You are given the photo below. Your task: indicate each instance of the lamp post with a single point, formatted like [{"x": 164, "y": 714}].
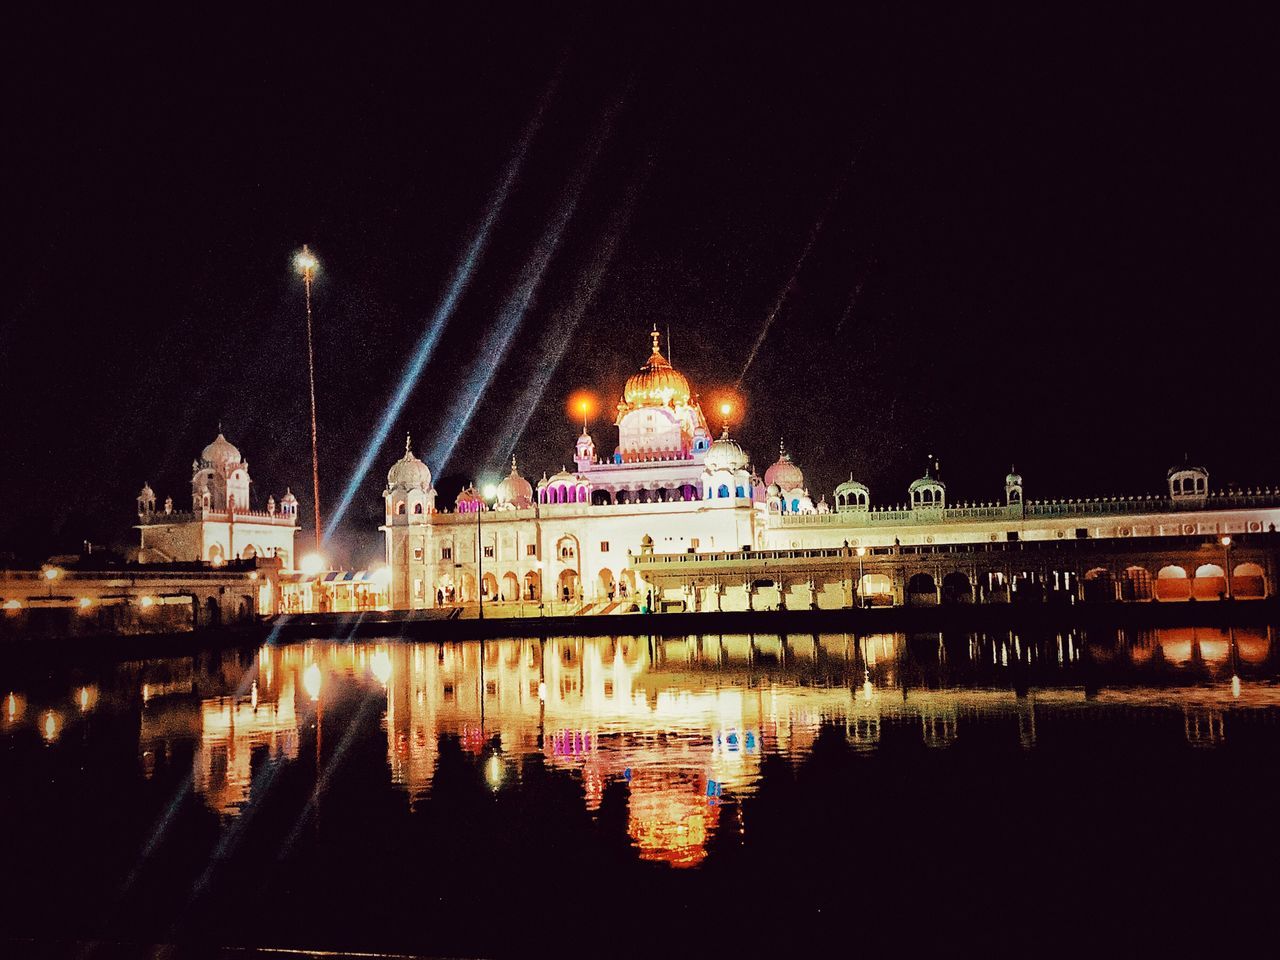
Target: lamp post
[
  {"x": 306, "y": 264},
  {"x": 488, "y": 494},
  {"x": 1226, "y": 545},
  {"x": 862, "y": 552}
]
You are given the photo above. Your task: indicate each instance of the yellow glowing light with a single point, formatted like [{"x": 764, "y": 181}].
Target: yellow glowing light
[
  {"x": 13, "y": 605},
  {"x": 726, "y": 409},
  {"x": 490, "y": 491},
  {"x": 12, "y": 706},
  {"x": 147, "y": 602},
  {"x": 862, "y": 551},
  {"x": 217, "y": 562},
  {"x": 1235, "y": 686},
  {"x": 582, "y": 405},
  {"x": 52, "y": 573},
  {"x": 253, "y": 574},
  {"x": 305, "y": 262},
  {"x": 85, "y": 602},
  {"x": 312, "y": 680},
  {"x": 542, "y": 690},
  {"x": 493, "y": 771},
  {"x": 84, "y": 699},
  {"x": 313, "y": 563},
  {"x": 1226, "y": 541},
  {"x": 380, "y": 664},
  {"x": 50, "y": 730},
  {"x": 867, "y": 688},
  {"x": 382, "y": 576}
]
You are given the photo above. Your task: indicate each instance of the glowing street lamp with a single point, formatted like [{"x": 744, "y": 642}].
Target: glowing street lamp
[
  {"x": 487, "y": 494},
  {"x": 1226, "y": 546},
  {"x": 312, "y": 564},
  {"x": 306, "y": 264}
]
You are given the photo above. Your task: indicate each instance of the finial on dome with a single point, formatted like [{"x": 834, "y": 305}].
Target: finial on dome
[
  {"x": 655, "y": 334},
  {"x": 513, "y": 463},
  {"x": 782, "y": 449},
  {"x": 408, "y": 443}
]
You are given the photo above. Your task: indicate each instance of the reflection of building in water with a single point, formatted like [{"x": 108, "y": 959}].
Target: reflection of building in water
[{"x": 231, "y": 730}]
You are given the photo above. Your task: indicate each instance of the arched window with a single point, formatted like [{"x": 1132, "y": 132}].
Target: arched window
[
  {"x": 737, "y": 492},
  {"x": 795, "y": 506},
  {"x": 400, "y": 509},
  {"x": 723, "y": 492},
  {"x": 417, "y": 508}
]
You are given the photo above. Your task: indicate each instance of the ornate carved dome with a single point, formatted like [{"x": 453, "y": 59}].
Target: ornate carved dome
[
  {"x": 784, "y": 473},
  {"x": 658, "y": 384},
  {"x": 851, "y": 487},
  {"x": 725, "y": 454},
  {"x": 469, "y": 500},
  {"x": 221, "y": 451},
  {"x": 515, "y": 490},
  {"x": 409, "y": 472}
]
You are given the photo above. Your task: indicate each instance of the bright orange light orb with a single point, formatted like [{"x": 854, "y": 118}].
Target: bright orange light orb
[{"x": 582, "y": 405}]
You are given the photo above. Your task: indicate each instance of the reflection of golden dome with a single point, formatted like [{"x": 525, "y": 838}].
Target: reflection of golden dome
[{"x": 658, "y": 384}]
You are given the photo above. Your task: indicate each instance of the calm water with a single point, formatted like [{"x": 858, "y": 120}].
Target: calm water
[{"x": 651, "y": 796}]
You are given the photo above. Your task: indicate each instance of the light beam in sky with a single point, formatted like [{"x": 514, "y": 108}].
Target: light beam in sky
[
  {"x": 426, "y": 345},
  {"x": 498, "y": 342}
]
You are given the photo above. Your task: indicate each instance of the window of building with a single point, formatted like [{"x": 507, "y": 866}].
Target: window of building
[
  {"x": 530, "y": 550},
  {"x": 1012, "y": 535},
  {"x": 446, "y": 553},
  {"x": 693, "y": 543},
  {"x": 417, "y": 586},
  {"x": 566, "y": 552},
  {"x": 400, "y": 509},
  {"x": 417, "y": 553},
  {"x": 604, "y": 546},
  {"x": 417, "y": 508},
  {"x": 488, "y": 553}
]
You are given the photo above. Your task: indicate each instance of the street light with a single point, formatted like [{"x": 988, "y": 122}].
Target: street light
[
  {"x": 489, "y": 492},
  {"x": 1226, "y": 545},
  {"x": 306, "y": 264}
]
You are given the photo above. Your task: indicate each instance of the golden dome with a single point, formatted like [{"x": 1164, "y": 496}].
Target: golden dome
[{"x": 658, "y": 384}]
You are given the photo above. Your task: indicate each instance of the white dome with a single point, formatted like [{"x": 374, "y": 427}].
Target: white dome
[
  {"x": 724, "y": 454},
  {"x": 850, "y": 487},
  {"x": 784, "y": 473},
  {"x": 409, "y": 472},
  {"x": 221, "y": 451},
  {"x": 515, "y": 489}
]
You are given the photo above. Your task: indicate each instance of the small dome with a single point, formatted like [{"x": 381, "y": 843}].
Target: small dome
[
  {"x": 469, "y": 500},
  {"x": 221, "y": 451},
  {"x": 725, "y": 454},
  {"x": 289, "y": 499},
  {"x": 1014, "y": 479},
  {"x": 823, "y": 507},
  {"x": 774, "y": 490},
  {"x": 409, "y": 472},
  {"x": 851, "y": 487},
  {"x": 515, "y": 490},
  {"x": 784, "y": 473},
  {"x": 658, "y": 384},
  {"x": 147, "y": 493},
  {"x": 926, "y": 482}
]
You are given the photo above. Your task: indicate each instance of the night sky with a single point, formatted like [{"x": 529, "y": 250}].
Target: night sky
[{"x": 1048, "y": 242}]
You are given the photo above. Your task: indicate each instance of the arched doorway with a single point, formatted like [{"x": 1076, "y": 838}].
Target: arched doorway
[
  {"x": 212, "y": 613},
  {"x": 956, "y": 588},
  {"x": 605, "y": 586},
  {"x": 1098, "y": 586},
  {"x": 567, "y": 586},
  {"x": 626, "y": 584},
  {"x": 922, "y": 590},
  {"x": 532, "y": 586},
  {"x": 249, "y": 552},
  {"x": 1248, "y": 581},
  {"x": 1210, "y": 582},
  {"x": 467, "y": 588},
  {"x": 510, "y": 586},
  {"x": 490, "y": 587},
  {"x": 1136, "y": 584},
  {"x": 1172, "y": 583}
]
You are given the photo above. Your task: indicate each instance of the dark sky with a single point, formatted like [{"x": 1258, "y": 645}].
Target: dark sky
[{"x": 1043, "y": 240}]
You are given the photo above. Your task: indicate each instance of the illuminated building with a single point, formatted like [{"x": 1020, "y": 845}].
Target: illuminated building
[
  {"x": 221, "y": 524},
  {"x": 675, "y": 519}
]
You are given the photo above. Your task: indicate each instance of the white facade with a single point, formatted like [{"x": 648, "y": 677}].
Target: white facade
[
  {"x": 590, "y": 540},
  {"x": 221, "y": 524}
]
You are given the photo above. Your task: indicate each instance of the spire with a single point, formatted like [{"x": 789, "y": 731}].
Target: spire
[
  {"x": 782, "y": 449},
  {"x": 656, "y": 335},
  {"x": 513, "y": 464},
  {"x": 408, "y": 445}
]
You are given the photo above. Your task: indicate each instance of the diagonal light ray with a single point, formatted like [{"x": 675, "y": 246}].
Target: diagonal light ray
[
  {"x": 426, "y": 345},
  {"x": 498, "y": 342}
]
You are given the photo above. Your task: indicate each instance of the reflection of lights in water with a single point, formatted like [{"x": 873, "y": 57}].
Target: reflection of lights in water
[
  {"x": 311, "y": 681},
  {"x": 253, "y": 695},
  {"x": 493, "y": 771},
  {"x": 85, "y": 603},
  {"x": 1235, "y": 686},
  {"x": 85, "y": 699},
  {"x": 50, "y": 730},
  {"x": 380, "y": 664},
  {"x": 542, "y": 690},
  {"x": 146, "y": 692},
  {"x": 867, "y": 689}
]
